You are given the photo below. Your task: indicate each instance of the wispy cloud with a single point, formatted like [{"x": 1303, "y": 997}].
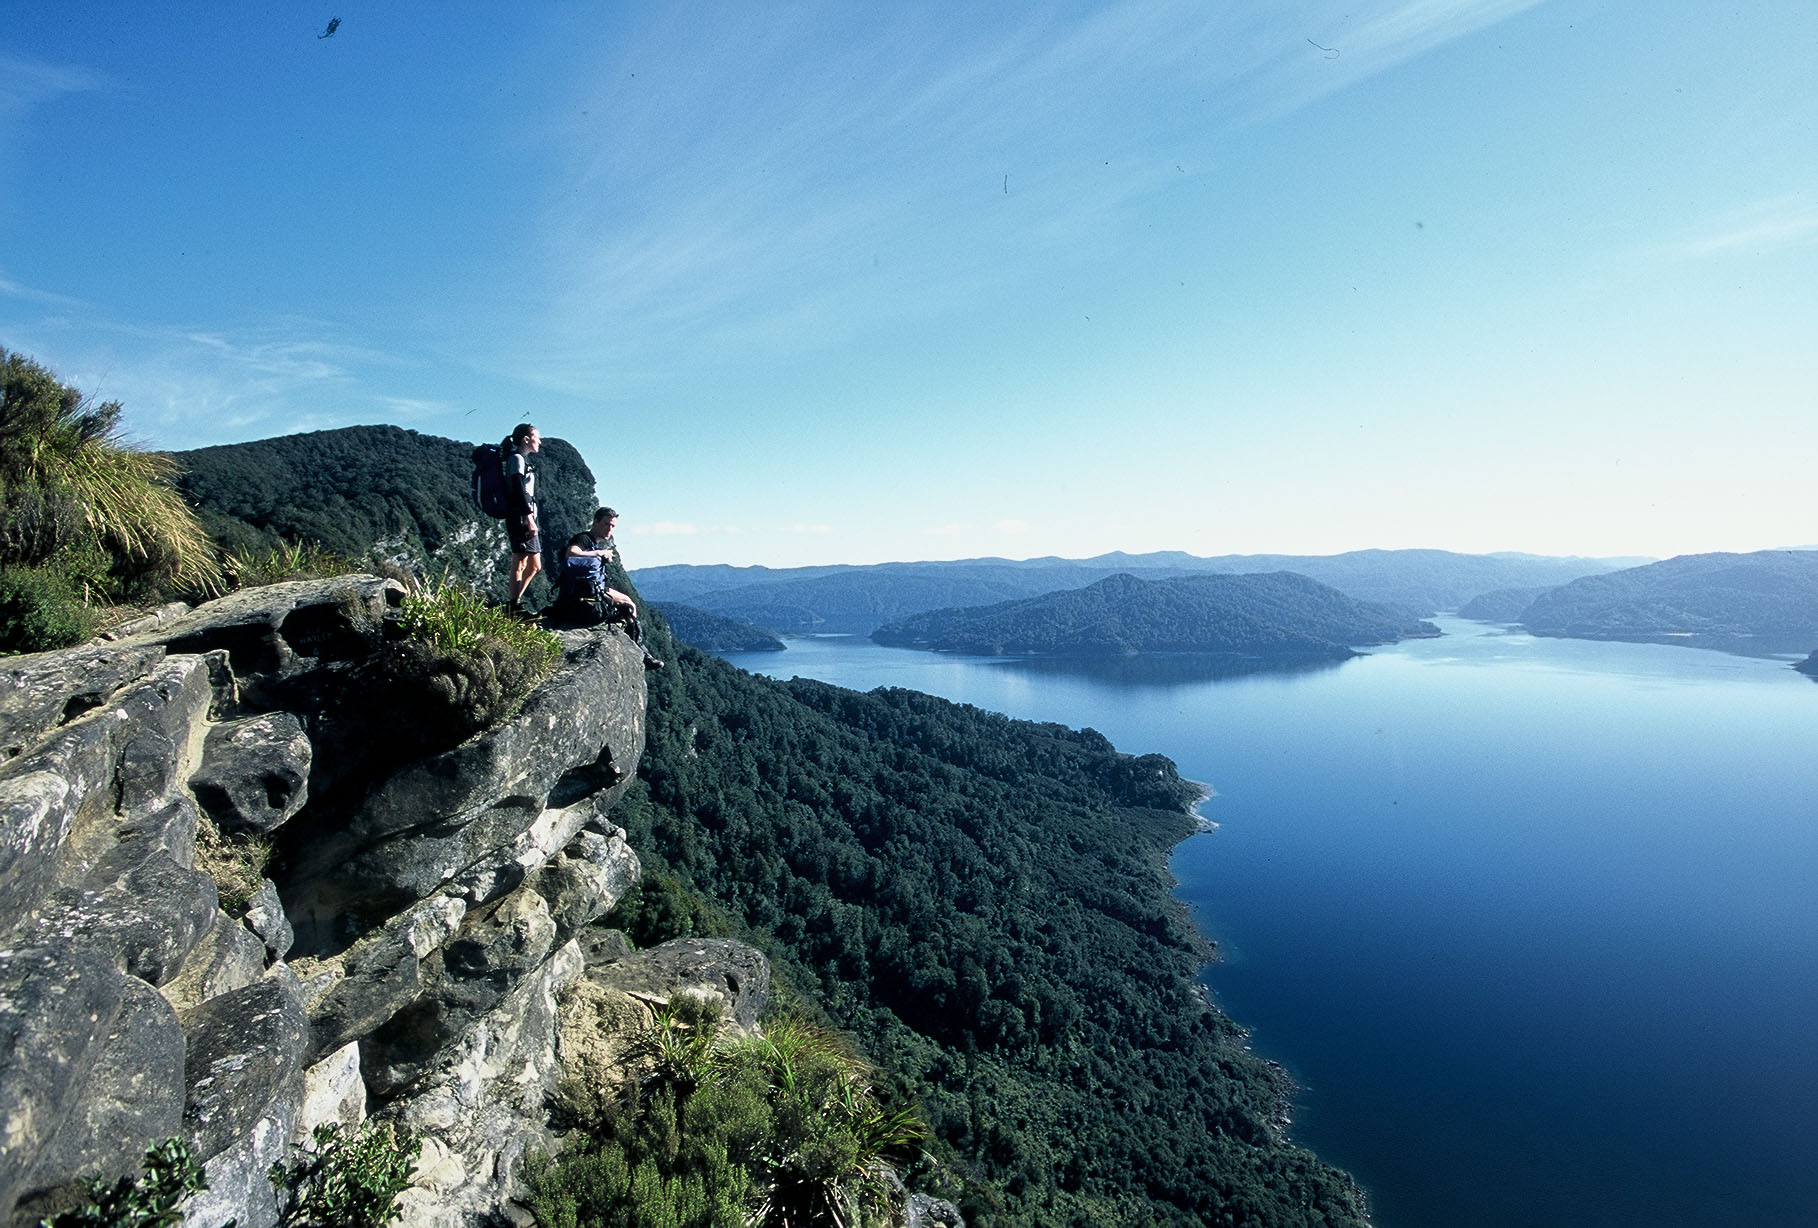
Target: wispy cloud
[
  {"x": 1769, "y": 225},
  {"x": 185, "y": 387},
  {"x": 955, "y": 529},
  {"x": 1012, "y": 527},
  {"x": 44, "y": 298},
  {"x": 913, "y": 162}
]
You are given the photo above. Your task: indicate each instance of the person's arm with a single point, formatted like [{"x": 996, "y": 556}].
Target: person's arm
[{"x": 617, "y": 598}]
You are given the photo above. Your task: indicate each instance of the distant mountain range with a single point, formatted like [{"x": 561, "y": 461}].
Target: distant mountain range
[
  {"x": 1769, "y": 598},
  {"x": 1271, "y": 615},
  {"x": 859, "y": 599}
]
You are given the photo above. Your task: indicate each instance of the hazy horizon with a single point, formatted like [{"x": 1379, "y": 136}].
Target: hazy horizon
[{"x": 817, "y": 282}]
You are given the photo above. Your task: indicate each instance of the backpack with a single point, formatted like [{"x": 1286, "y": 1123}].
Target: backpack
[{"x": 489, "y": 481}]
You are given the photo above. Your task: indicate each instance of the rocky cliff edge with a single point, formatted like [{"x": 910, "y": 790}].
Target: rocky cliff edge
[{"x": 236, "y": 902}]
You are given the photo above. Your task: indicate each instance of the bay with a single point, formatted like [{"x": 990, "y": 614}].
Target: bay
[{"x": 1533, "y": 922}]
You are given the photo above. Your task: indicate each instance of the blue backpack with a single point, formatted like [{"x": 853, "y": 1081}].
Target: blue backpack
[{"x": 489, "y": 481}]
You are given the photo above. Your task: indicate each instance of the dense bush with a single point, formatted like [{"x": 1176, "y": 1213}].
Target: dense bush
[
  {"x": 40, "y": 609},
  {"x": 170, "y": 1175},
  {"x": 348, "y": 1179},
  {"x": 772, "y": 1131}
]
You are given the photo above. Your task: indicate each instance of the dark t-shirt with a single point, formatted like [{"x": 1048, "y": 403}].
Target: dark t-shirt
[{"x": 585, "y": 573}]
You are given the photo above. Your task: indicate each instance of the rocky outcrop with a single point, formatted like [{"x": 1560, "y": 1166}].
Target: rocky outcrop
[{"x": 406, "y": 952}]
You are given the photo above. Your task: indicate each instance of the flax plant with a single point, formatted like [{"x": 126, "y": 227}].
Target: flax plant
[{"x": 60, "y": 450}]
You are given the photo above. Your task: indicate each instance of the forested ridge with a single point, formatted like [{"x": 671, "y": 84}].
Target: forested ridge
[
  {"x": 1273, "y": 614},
  {"x": 983, "y": 904},
  {"x": 372, "y": 493},
  {"x": 1770, "y": 593}
]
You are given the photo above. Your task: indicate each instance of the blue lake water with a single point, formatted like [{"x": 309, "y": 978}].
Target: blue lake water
[{"x": 1533, "y": 922}]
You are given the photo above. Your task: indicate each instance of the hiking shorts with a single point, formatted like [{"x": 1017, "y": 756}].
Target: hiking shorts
[{"x": 524, "y": 539}]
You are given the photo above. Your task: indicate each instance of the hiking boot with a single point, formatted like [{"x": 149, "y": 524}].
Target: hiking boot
[{"x": 652, "y": 662}]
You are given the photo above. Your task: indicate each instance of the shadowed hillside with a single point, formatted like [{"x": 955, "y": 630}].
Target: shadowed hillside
[{"x": 1279, "y": 614}]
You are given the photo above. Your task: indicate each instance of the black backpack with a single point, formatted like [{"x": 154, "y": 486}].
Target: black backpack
[{"x": 489, "y": 481}]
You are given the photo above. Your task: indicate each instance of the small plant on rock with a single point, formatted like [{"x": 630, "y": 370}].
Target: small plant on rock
[
  {"x": 347, "y": 1180},
  {"x": 469, "y": 661},
  {"x": 147, "y": 1201}
]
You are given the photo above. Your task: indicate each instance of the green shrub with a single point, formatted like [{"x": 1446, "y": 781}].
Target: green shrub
[
  {"x": 41, "y": 610},
  {"x": 660, "y": 906},
  {"x": 463, "y": 664},
  {"x": 347, "y": 1181},
  {"x": 777, "y": 1131},
  {"x": 147, "y": 1201}
]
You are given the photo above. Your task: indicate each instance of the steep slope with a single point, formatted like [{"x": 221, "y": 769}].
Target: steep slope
[
  {"x": 984, "y": 904},
  {"x": 1770, "y": 598},
  {"x": 1279, "y": 614}
]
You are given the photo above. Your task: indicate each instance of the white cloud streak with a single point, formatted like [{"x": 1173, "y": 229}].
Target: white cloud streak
[
  {"x": 911, "y": 163},
  {"x": 1766, "y": 226}
]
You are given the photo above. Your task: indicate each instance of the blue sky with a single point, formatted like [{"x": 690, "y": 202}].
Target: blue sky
[{"x": 848, "y": 283}]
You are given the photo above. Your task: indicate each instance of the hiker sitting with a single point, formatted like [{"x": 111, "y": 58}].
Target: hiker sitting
[{"x": 586, "y": 600}]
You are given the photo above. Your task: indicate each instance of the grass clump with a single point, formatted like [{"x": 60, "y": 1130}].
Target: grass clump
[
  {"x": 469, "y": 663},
  {"x": 236, "y": 862},
  {"x": 286, "y": 561},
  {"x": 781, "y": 1130},
  {"x": 81, "y": 499}
]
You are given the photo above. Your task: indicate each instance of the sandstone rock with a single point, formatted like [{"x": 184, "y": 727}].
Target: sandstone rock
[
  {"x": 131, "y": 1098},
  {"x": 587, "y": 879},
  {"x": 432, "y": 904},
  {"x": 378, "y": 976},
  {"x": 43, "y": 691},
  {"x": 90, "y": 1069},
  {"x": 265, "y": 917},
  {"x": 926, "y": 1211},
  {"x": 729, "y": 974},
  {"x": 244, "y": 1063},
  {"x": 269, "y": 630},
  {"x": 486, "y": 1102},
  {"x": 227, "y": 958},
  {"x": 59, "y": 801},
  {"x": 239, "y": 1183},
  {"x": 333, "y": 1091},
  {"x": 497, "y": 948},
  {"x": 255, "y": 772},
  {"x": 148, "y": 919}
]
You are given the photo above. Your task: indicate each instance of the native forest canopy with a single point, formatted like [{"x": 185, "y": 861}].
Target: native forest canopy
[
  {"x": 981, "y": 903},
  {"x": 1271, "y": 615}
]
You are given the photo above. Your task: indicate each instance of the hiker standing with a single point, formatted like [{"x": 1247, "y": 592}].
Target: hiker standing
[{"x": 521, "y": 510}]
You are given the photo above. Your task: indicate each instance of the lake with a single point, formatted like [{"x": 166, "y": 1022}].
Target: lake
[{"x": 1533, "y": 922}]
